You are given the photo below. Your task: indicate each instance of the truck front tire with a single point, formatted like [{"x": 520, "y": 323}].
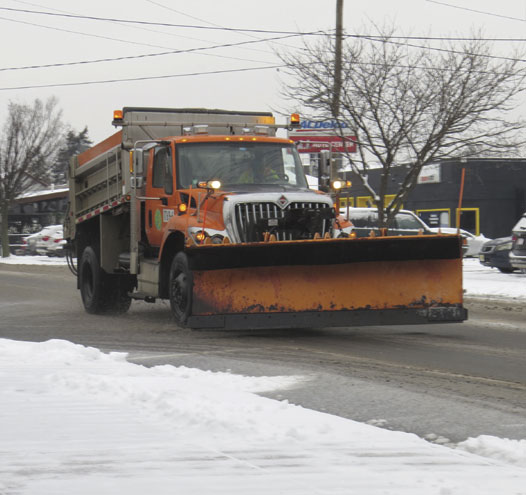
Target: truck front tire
[
  {"x": 181, "y": 282},
  {"x": 101, "y": 293}
]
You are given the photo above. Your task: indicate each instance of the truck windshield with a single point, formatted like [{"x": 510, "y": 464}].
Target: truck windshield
[{"x": 237, "y": 164}]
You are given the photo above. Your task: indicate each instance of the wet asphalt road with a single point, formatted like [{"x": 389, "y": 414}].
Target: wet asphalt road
[{"x": 442, "y": 382}]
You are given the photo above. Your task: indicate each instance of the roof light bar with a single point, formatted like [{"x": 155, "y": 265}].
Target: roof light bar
[{"x": 261, "y": 130}]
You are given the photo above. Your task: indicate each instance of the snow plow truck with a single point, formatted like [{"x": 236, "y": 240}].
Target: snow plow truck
[{"x": 211, "y": 210}]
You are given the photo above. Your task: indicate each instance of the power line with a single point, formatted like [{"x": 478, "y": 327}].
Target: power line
[
  {"x": 144, "y": 78},
  {"x": 444, "y": 50},
  {"x": 225, "y": 45},
  {"x": 436, "y": 38},
  {"x": 374, "y": 38},
  {"x": 148, "y": 55},
  {"x": 269, "y": 31},
  {"x": 158, "y": 4},
  {"x": 230, "y": 45},
  {"x": 492, "y": 14},
  {"x": 156, "y": 31},
  {"x": 225, "y": 71},
  {"x": 165, "y": 24},
  {"x": 81, "y": 33}
]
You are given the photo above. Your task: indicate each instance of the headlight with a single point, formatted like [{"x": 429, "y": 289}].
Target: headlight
[
  {"x": 217, "y": 239},
  {"x": 211, "y": 185},
  {"x": 208, "y": 236},
  {"x": 503, "y": 247}
]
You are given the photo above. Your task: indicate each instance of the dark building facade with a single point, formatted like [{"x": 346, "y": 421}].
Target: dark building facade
[
  {"x": 31, "y": 213},
  {"x": 494, "y": 194}
]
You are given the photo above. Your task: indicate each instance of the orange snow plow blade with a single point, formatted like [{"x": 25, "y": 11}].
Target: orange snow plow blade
[{"x": 344, "y": 282}]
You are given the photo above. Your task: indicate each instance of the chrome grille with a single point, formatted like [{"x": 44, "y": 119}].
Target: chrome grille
[{"x": 253, "y": 219}]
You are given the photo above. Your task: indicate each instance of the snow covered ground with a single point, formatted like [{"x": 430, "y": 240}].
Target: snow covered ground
[
  {"x": 75, "y": 420},
  {"x": 33, "y": 260},
  {"x": 481, "y": 281}
]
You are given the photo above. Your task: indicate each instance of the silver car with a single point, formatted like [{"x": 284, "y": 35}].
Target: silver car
[
  {"x": 518, "y": 249},
  {"x": 365, "y": 220}
]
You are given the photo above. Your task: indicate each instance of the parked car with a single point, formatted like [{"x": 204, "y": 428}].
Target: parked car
[
  {"x": 29, "y": 244},
  {"x": 366, "y": 219},
  {"x": 46, "y": 238},
  {"x": 472, "y": 243},
  {"x": 58, "y": 248},
  {"x": 16, "y": 244},
  {"x": 518, "y": 248},
  {"x": 495, "y": 254}
]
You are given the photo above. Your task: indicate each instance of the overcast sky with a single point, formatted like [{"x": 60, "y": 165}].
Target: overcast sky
[{"x": 30, "y": 39}]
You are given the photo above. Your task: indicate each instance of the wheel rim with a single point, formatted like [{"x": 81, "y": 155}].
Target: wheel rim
[
  {"x": 87, "y": 281},
  {"x": 180, "y": 292}
]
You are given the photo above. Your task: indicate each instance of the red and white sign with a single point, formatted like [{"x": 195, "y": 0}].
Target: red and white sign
[
  {"x": 309, "y": 143},
  {"x": 430, "y": 174}
]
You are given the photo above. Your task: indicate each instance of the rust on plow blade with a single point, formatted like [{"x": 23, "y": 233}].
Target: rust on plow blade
[{"x": 385, "y": 280}]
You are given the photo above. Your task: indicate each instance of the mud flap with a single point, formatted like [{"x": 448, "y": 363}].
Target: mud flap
[{"x": 328, "y": 282}]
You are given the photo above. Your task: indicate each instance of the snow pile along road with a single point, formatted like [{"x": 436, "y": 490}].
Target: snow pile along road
[
  {"x": 482, "y": 281},
  {"x": 76, "y": 420},
  {"x": 33, "y": 260},
  {"x": 506, "y": 450}
]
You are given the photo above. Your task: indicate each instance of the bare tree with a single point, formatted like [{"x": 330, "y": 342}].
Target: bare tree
[
  {"x": 29, "y": 143},
  {"x": 411, "y": 103}
]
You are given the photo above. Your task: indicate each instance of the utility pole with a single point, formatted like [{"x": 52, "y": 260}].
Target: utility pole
[{"x": 338, "y": 59}]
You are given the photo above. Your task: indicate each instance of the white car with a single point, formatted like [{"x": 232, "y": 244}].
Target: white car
[
  {"x": 473, "y": 242},
  {"x": 58, "y": 248},
  {"x": 47, "y": 237},
  {"x": 29, "y": 244}
]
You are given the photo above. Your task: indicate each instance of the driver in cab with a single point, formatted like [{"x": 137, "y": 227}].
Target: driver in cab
[{"x": 266, "y": 174}]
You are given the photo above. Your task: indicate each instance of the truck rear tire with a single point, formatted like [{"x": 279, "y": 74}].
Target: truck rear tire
[
  {"x": 101, "y": 293},
  {"x": 181, "y": 282},
  {"x": 117, "y": 301}
]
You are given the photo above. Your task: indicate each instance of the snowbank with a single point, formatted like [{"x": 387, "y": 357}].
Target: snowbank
[
  {"x": 503, "y": 449},
  {"x": 76, "y": 420},
  {"x": 33, "y": 260},
  {"x": 482, "y": 281}
]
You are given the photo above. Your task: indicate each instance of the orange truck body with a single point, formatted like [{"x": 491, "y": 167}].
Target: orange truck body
[{"x": 210, "y": 210}]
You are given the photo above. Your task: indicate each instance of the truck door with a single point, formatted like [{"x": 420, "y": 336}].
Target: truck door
[{"x": 159, "y": 206}]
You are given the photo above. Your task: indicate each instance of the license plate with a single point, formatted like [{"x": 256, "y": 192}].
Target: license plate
[
  {"x": 520, "y": 241},
  {"x": 272, "y": 222},
  {"x": 481, "y": 257}
]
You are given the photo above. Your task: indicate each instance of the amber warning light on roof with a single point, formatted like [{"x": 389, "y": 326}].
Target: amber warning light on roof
[
  {"x": 117, "y": 115},
  {"x": 295, "y": 120}
]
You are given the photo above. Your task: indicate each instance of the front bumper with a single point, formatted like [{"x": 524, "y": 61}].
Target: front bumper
[{"x": 517, "y": 261}]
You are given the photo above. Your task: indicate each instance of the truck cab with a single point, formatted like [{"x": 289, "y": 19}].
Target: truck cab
[{"x": 223, "y": 189}]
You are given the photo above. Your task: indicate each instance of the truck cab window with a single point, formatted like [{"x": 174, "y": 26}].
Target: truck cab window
[
  {"x": 162, "y": 176},
  {"x": 239, "y": 164}
]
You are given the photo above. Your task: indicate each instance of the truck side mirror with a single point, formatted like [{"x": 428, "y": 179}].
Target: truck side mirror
[
  {"x": 138, "y": 161},
  {"x": 137, "y": 182},
  {"x": 324, "y": 171}
]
